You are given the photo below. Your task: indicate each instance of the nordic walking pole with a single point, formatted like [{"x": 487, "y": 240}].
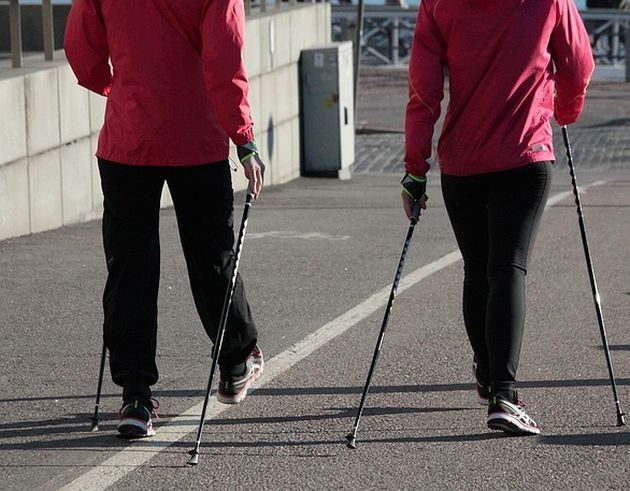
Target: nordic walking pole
[
  {"x": 94, "y": 418},
  {"x": 591, "y": 273},
  {"x": 351, "y": 437},
  {"x": 227, "y": 301}
]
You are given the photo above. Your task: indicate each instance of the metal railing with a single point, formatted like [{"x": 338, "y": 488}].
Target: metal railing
[
  {"x": 262, "y": 6},
  {"x": 48, "y": 32},
  {"x": 15, "y": 31},
  {"x": 388, "y": 33},
  {"x": 610, "y": 32}
]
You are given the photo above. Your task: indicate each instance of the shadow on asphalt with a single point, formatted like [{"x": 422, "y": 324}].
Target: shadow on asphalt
[
  {"x": 114, "y": 444},
  {"x": 618, "y": 347},
  {"x": 296, "y": 391},
  {"x": 588, "y": 439},
  {"x": 612, "y": 122},
  {"x": 107, "y": 439},
  {"x": 340, "y": 413},
  {"x": 78, "y": 424},
  {"x": 474, "y": 437}
]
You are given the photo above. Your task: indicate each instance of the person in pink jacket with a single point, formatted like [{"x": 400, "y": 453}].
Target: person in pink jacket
[
  {"x": 176, "y": 91},
  {"x": 511, "y": 66}
]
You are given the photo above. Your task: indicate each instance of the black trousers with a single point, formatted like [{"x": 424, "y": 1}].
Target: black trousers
[
  {"x": 203, "y": 201},
  {"x": 495, "y": 217}
]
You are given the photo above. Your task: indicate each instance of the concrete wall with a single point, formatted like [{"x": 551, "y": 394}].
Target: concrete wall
[{"x": 49, "y": 125}]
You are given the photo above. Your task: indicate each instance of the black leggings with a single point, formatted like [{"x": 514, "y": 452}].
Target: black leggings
[
  {"x": 203, "y": 201},
  {"x": 495, "y": 217}
]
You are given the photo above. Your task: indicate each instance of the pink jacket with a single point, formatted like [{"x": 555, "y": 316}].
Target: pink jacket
[
  {"x": 177, "y": 87},
  {"x": 504, "y": 59}
]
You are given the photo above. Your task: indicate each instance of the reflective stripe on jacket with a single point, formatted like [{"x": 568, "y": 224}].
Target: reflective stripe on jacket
[
  {"x": 177, "y": 86},
  {"x": 504, "y": 59}
]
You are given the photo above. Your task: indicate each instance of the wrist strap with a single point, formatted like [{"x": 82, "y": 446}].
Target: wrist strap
[
  {"x": 246, "y": 151},
  {"x": 413, "y": 186},
  {"x": 421, "y": 179}
]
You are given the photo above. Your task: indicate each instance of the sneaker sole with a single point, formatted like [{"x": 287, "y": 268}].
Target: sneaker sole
[
  {"x": 134, "y": 428},
  {"x": 240, "y": 395},
  {"x": 509, "y": 424}
]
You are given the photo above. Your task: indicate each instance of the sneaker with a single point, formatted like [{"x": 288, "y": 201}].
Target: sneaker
[
  {"x": 483, "y": 390},
  {"x": 233, "y": 388},
  {"x": 510, "y": 417},
  {"x": 135, "y": 418}
]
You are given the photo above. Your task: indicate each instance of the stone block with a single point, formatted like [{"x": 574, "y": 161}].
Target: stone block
[
  {"x": 255, "y": 99},
  {"x": 270, "y": 94},
  {"x": 324, "y": 24},
  {"x": 296, "y": 148},
  {"x": 13, "y": 134},
  {"x": 14, "y": 215},
  {"x": 283, "y": 161},
  {"x": 284, "y": 36},
  {"x": 252, "y": 48},
  {"x": 76, "y": 181},
  {"x": 97, "y": 111},
  {"x": 266, "y": 42},
  {"x": 301, "y": 21},
  {"x": 286, "y": 93},
  {"x": 44, "y": 176},
  {"x": 42, "y": 110},
  {"x": 74, "y": 107}
]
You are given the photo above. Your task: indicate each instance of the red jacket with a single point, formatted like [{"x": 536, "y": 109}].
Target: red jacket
[
  {"x": 177, "y": 87},
  {"x": 505, "y": 59}
]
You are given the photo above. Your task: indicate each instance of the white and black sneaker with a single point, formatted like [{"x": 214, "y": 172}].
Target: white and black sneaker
[
  {"x": 135, "y": 418},
  {"x": 233, "y": 387},
  {"x": 510, "y": 417}
]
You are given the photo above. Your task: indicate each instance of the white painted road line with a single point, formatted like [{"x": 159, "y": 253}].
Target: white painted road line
[
  {"x": 560, "y": 196},
  {"x": 125, "y": 461},
  {"x": 290, "y": 234},
  {"x": 136, "y": 454}
]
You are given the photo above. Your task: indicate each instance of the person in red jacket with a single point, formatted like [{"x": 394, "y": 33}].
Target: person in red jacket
[
  {"x": 176, "y": 91},
  {"x": 511, "y": 66}
]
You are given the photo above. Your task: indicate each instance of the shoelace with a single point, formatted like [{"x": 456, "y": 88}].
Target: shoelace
[
  {"x": 524, "y": 416},
  {"x": 518, "y": 403}
]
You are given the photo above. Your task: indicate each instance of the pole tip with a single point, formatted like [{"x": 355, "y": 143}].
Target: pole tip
[
  {"x": 94, "y": 424},
  {"x": 194, "y": 460},
  {"x": 621, "y": 419},
  {"x": 352, "y": 442}
]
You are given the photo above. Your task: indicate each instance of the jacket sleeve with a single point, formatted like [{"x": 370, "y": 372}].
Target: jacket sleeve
[
  {"x": 222, "y": 38},
  {"x": 85, "y": 44},
  {"x": 426, "y": 90},
  {"x": 573, "y": 60}
]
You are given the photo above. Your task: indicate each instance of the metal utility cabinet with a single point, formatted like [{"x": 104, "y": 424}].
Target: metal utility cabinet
[{"x": 327, "y": 110}]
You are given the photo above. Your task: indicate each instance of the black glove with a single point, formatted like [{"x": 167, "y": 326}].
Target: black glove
[{"x": 414, "y": 186}]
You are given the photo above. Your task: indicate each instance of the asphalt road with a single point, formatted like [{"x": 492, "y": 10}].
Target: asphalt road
[{"x": 318, "y": 261}]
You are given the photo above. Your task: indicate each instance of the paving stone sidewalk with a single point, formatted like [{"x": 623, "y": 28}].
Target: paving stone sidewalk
[{"x": 601, "y": 139}]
